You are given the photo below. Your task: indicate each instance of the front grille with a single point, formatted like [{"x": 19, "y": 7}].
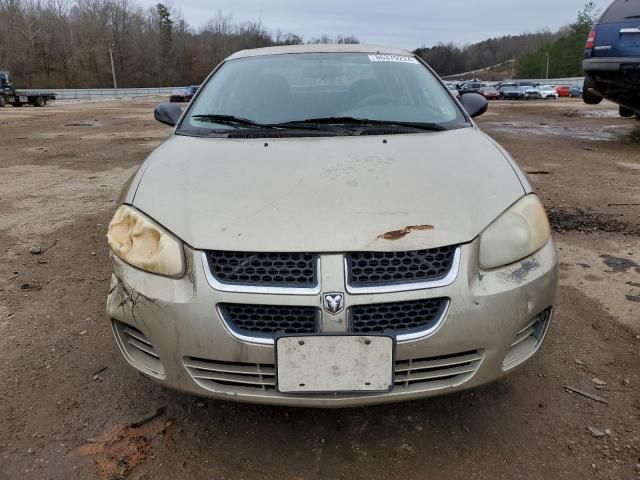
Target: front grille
[
  {"x": 285, "y": 270},
  {"x": 210, "y": 374},
  {"x": 426, "y": 373},
  {"x": 401, "y": 317},
  {"x": 449, "y": 370},
  {"x": 370, "y": 269},
  {"x": 270, "y": 319}
]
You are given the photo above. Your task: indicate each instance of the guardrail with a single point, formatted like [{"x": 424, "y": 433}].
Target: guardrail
[{"x": 111, "y": 93}]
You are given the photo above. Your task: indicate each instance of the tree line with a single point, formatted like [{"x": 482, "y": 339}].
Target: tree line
[
  {"x": 66, "y": 43},
  {"x": 564, "y": 55},
  {"x": 450, "y": 59},
  {"x": 564, "y": 48}
]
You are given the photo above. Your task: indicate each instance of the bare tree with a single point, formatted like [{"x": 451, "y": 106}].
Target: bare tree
[{"x": 65, "y": 43}]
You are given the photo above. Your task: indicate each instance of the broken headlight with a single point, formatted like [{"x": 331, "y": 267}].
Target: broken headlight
[
  {"x": 518, "y": 233},
  {"x": 142, "y": 243}
]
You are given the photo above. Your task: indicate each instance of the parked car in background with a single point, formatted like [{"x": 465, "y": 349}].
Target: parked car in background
[
  {"x": 575, "y": 91},
  {"x": 612, "y": 58},
  {"x": 530, "y": 93},
  {"x": 548, "y": 91},
  {"x": 184, "y": 95},
  {"x": 453, "y": 89},
  {"x": 328, "y": 297},
  {"x": 471, "y": 87},
  {"x": 563, "y": 90},
  {"x": 511, "y": 93},
  {"x": 514, "y": 83},
  {"x": 490, "y": 93}
]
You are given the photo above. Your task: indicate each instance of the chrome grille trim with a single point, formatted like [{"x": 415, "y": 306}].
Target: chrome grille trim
[
  {"x": 236, "y": 288},
  {"x": 406, "y": 287}
]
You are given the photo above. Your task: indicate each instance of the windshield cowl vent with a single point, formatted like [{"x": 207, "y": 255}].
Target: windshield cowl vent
[
  {"x": 279, "y": 134},
  {"x": 387, "y": 131}
]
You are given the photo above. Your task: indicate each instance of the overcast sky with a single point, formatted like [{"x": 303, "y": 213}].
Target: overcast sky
[{"x": 401, "y": 23}]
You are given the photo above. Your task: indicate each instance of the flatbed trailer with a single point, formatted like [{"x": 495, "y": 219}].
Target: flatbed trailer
[{"x": 10, "y": 96}]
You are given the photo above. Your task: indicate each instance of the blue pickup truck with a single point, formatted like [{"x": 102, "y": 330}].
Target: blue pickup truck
[{"x": 612, "y": 58}]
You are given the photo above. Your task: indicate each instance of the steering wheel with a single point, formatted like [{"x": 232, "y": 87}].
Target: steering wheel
[{"x": 376, "y": 99}]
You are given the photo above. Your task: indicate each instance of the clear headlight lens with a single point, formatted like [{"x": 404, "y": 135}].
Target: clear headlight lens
[
  {"x": 516, "y": 234},
  {"x": 142, "y": 243}
]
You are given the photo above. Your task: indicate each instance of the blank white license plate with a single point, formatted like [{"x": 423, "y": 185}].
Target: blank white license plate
[{"x": 320, "y": 364}]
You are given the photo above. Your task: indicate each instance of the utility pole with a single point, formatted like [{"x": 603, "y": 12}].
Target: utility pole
[
  {"x": 113, "y": 71},
  {"x": 547, "y": 55}
]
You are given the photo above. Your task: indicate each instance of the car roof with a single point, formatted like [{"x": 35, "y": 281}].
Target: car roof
[{"x": 320, "y": 48}]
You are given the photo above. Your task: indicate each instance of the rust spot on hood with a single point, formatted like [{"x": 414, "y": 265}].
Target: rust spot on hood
[{"x": 398, "y": 234}]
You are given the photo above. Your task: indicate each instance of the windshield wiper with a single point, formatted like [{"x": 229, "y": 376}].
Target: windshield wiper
[
  {"x": 633, "y": 16},
  {"x": 245, "y": 122},
  {"x": 231, "y": 120},
  {"x": 360, "y": 122}
]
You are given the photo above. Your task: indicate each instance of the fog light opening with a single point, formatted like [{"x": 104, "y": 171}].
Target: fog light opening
[{"x": 527, "y": 341}]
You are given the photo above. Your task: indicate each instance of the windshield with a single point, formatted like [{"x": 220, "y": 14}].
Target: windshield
[{"x": 276, "y": 89}]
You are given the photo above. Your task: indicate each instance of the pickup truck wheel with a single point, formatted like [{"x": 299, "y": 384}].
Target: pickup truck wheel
[
  {"x": 588, "y": 97},
  {"x": 626, "y": 112},
  {"x": 3, "y": 102},
  {"x": 17, "y": 104},
  {"x": 38, "y": 102}
]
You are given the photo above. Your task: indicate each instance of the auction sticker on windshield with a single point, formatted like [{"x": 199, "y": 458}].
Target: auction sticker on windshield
[{"x": 392, "y": 58}]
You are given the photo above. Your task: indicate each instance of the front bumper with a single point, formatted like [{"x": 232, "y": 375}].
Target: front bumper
[{"x": 171, "y": 330}]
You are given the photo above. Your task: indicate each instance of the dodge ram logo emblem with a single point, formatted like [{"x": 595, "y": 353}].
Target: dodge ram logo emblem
[{"x": 333, "y": 302}]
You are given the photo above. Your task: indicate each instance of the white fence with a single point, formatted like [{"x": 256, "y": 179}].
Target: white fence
[
  {"x": 554, "y": 81},
  {"x": 110, "y": 93}
]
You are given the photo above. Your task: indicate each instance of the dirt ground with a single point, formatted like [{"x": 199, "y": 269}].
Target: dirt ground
[{"x": 71, "y": 409}]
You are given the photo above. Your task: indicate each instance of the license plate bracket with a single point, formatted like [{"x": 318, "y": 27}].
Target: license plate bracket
[{"x": 335, "y": 363}]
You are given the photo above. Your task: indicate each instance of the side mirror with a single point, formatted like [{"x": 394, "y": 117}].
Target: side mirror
[
  {"x": 168, "y": 113},
  {"x": 474, "y": 103}
]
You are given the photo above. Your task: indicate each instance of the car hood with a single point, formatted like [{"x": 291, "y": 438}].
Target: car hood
[{"x": 329, "y": 194}]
